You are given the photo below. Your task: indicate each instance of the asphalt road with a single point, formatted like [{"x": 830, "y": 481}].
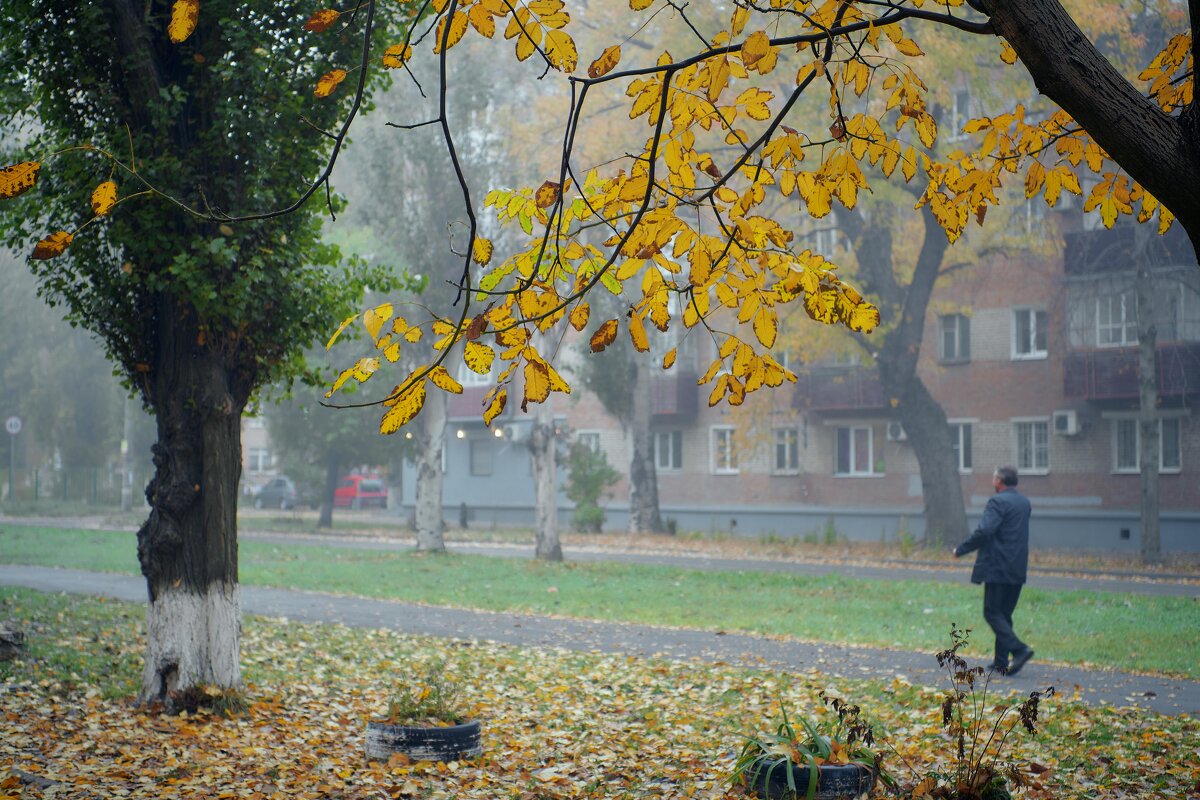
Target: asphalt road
[{"x": 1162, "y": 695}]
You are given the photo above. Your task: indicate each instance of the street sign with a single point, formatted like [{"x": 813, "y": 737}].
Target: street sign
[{"x": 13, "y": 425}]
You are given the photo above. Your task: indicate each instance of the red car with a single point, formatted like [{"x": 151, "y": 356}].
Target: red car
[{"x": 360, "y": 491}]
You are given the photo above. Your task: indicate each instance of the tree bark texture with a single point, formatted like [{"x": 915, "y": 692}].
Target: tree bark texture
[
  {"x": 1148, "y": 417},
  {"x": 1159, "y": 151},
  {"x": 542, "y": 443},
  {"x": 431, "y": 442},
  {"x": 919, "y": 412},
  {"x": 188, "y": 546},
  {"x": 644, "y": 516}
]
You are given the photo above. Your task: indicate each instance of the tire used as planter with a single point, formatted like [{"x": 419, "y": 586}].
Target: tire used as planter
[
  {"x": 768, "y": 778},
  {"x": 450, "y": 743}
]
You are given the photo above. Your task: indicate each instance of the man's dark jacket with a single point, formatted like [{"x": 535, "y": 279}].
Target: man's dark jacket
[{"x": 1002, "y": 539}]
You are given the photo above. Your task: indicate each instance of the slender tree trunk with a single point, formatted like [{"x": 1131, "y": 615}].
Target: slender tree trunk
[
  {"x": 188, "y": 546},
  {"x": 431, "y": 442},
  {"x": 333, "y": 468},
  {"x": 644, "y": 516},
  {"x": 545, "y": 486},
  {"x": 1148, "y": 443}
]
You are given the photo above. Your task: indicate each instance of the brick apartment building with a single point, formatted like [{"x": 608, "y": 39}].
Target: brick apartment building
[{"x": 1036, "y": 367}]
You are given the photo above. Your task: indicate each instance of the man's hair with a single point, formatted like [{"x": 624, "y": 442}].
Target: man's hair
[{"x": 1007, "y": 475}]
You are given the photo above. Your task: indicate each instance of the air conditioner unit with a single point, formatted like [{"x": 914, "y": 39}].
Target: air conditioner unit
[
  {"x": 896, "y": 432},
  {"x": 1066, "y": 423},
  {"x": 512, "y": 433}
]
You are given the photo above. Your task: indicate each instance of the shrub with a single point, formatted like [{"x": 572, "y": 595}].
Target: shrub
[{"x": 588, "y": 477}]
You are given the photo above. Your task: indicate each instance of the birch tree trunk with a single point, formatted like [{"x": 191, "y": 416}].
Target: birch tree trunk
[
  {"x": 1148, "y": 443},
  {"x": 431, "y": 442},
  {"x": 545, "y": 485}
]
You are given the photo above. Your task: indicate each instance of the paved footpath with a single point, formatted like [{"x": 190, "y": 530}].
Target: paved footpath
[{"x": 1162, "y": 695}]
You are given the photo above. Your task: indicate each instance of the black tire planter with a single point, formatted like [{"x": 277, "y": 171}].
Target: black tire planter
[
  {"x": 768, "y": 778},
  {"x": 450, "y": 743}
]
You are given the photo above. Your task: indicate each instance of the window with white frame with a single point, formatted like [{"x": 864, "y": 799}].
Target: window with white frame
[
  {"x": 258, "y": 459},
  {"x": 1029, "y": 333},
  {"x": 469, "y": 377},
  {"x": 960, "y": 442},
  {"x": 481, "y": 456},
  {"x": 724, "y": 455},
  {"x": 589, "y": 439},
  {"x": 1116, "y": 319},
  {"x": 786, "y": 460},
  {"x": 854, "y": 451},
  {"x": 1032, "y": 441},
  {"x": 1127, "y": 442},
  {"x": 1035, "y": 216},
  {"x": 668, "y": 451},
  {"x": 960, "y": 115},
  {"x": 954, "y": 338}
]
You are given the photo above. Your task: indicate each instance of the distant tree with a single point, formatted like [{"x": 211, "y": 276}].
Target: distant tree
[
  {"x": 195, "y": 313},
  {"x": 588, "y": 477}
]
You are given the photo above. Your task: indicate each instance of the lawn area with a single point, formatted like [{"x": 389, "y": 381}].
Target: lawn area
[
  {"x": 1127, "y": 632},
  {"x": 557, "y": 724}
]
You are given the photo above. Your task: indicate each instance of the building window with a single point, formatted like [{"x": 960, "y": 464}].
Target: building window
[
  {"x": 668, "y": 451},
  {"x": 589, "y": 439},
  {"x": 1127, "y": 441},
  {"x": 854, "y": 451},
  {"x": 724, "y": 455},
  {"x": 258, "y": 459},
  {"x": 255, "y": 423},
  {"x": 954, "y": 338},
  {"x": 1029, "y": 333},
  {"x": 960, "y": 115},
  {"x": 1116, "y": 320},
  {"x": 469, "y": 377},
  {"x": 1033, "y": 445},
  {"x": 960, "y": 441},
  {"x": 481, "y": 456},
  {"x": 787, "y": 451}
]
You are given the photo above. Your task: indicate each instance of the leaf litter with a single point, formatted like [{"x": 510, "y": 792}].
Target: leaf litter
[{"x": 557, "y": 723}]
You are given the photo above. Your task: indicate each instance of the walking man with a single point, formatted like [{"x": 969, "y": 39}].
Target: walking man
[{"x": 1002, "y": 539}]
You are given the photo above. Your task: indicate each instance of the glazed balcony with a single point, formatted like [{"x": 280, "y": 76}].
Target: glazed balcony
[
  {"x": 674, "y": 394},
  {"x": 1111, "y": 373},
  {"x": 832, "y": 389}
]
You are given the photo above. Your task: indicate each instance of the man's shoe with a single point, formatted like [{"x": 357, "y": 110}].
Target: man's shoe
[{"x": 1019, "y": 660}]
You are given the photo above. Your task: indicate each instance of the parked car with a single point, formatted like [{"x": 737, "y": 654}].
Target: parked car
[
  {"x": 360, "y": 491},
  {"x": 283, "y": 493}
]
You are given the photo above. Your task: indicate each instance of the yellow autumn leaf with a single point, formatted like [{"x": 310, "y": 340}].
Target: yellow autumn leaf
[
  {"x": 18, "y": 178},
  {"x": 321, "y": 20},
  {"x": 53, "y": 245},
  {"x": 396, "y": 56},
  {"x": 669, "y": 359},
  {"x": 606, "y": 63},
  {"x": 537, "y": 382},
  {"x": 482, "y": 251},
  {"x": 637, "y": 333},
  {"x": 328, "y": 82},
  {"x": 640, "y": 5},
  {"x": 604, "y": 336},
  {"x": 184, "y": 16},
  {"x": 1007, "y": 54},
  {"x": 495, "y": 408},
  {"x": 447, "y": 39},
  {"x": 560, "y": 50},
  {"x": 766, "y": 326},
  {"x": 478, "y": 357},
  {"x": 547, "y": 194},
  {"x": 864, "y": 318},
  {"x": 346, "y": 323},
  {"x": 579, "y": 316},
  {"x": 373, "y": 319},
  {"x": 756, "y": 46},
  {"x": 104, "y": 198},
  {"x": 442, "y": 379},
  {"x": 404, "y": 408},
  {"x": 909, "y": 48}
]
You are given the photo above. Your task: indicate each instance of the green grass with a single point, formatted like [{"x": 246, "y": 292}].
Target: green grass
[{"x": 1122, "y": 631}]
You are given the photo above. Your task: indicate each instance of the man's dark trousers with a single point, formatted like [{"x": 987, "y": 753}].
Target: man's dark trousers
[{"x": 999, "y": 601}]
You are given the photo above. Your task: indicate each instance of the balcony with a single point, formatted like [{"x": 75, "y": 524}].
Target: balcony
[
  {"x": 1106, "y": 251},
  {"x": 1111, "y": 373},
  {"x": 674, "y": 394},
  {"x": 839, "y": 389}
]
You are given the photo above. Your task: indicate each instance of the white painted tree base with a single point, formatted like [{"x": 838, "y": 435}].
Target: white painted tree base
[{"x": 192, "y": 640}]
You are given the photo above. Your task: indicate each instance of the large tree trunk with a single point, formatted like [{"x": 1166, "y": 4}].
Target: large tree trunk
[
  {"x": 188, "y": 546},
  {"x": 920, "y": 414},
  {"x": 333, "y": 468},
  {"x": 431, "y": 442},
  {"x": 545, "y": 486},
  {"x": 644, "y": 516},
  {"x": 1148, "y": 443}
]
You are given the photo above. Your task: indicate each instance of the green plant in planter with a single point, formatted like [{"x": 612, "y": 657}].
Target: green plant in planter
[
  {"x": 433, "y": 700},
  {"x": 837, "y": 756},
  {"x": 980, "y": 731}
]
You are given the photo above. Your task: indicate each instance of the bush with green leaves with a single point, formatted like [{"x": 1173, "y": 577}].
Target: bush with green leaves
[{"x": 589, "y": 476}]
